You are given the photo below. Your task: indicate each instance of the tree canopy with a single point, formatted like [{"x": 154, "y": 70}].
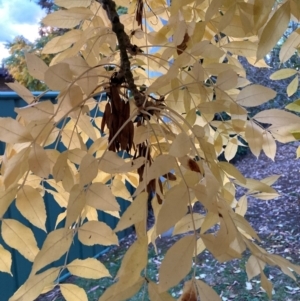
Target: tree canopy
[
  {"x": 16, "y": 63},
  {"x": 167, "y": 70}
]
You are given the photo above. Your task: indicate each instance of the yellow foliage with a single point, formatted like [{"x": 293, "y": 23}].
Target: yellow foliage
[{"x": 166, "y": 72}]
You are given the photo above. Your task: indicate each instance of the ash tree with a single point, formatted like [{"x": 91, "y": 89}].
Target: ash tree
[{"x": 167, "y": 71}]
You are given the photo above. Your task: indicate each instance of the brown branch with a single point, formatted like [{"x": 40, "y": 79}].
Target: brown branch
[{"x": 124, "y": 44}]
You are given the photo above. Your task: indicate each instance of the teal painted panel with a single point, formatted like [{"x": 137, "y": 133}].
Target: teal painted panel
[{"x": 21, "y": 267}]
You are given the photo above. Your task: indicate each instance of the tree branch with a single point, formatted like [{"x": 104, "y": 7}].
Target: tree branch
[{"x": 125, "y": 45}]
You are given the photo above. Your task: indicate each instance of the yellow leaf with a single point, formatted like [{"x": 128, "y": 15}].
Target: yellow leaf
[
  {"x": 292, "y": 87},
  {"x": 87, "y": 78},
  {"x": 100, "y": 197},
  {"x": 182, "y": 253},
  {"x": 120, "y": 291},
  {"x": 76, "y": 204},
  {"x": 19, "y": 237},
  {"x": 84, "y": 122},
  {"x": 206, "y": 293},
  {"x": 199, "y": 75},
  {"x": 155, "y": 295},
  {"x": 95, "y": 232},
  {"x": 31, "y": 205},
  {"x": 59, "y": 166},
  {"x": 294, "y": 106},
  {"x": 242, "y": 206},
  {"x": 260, "y": 64},
  {"x": 245, "y": 227},
  {"x": 206, "y": 50},
  {"x": 58, "y": 77},
  {"x": 72, "y": 292},
  {"x": 173, "y": 208},
  {"x": 261, "y": 11},
  {"x": 6, "y": 198},
  {"x": 23, "y": 92},
  {"x": 90, "y": 268},
  {"x": 88, "y": 170},
  {"x": 112, "y": 163},
  {"x": 71, "y": 139},
  {"x": 270, "y": 180},
  {"x": 212, "y": 9},
  {"x": 216, "y": 68},
  {"x": 277, "y": 117},
  {"x": 211, "y": 107},
  {"x": 119, "y": 189},
  {"x": 232, "y": 171},
  {"x": 36, "y": 66},
  {"x": 56, "y": 244},
  {"x": 265, "y": 196},
  {"x": 227, "y": 80},
  {"x": 298, "y": 152},
  {"x": 61, "y": 43},
  {"x": 269, "y": 145},
  {"x": 59, "y": 218},
  {"x": 181, "y": 145},
  {"x": 38, "y": 161},
  {"x": 227, "y": 17},
  {"x": 141, "y": 133},
  {"x": 161, "y": 165},
  {"x": 179, "y": 33},
  {"x": 200, "y": 246},
  {"x": 186, "y": 223},
  {"x": 45, "y": 134},
  {"x": 11, "y": 131},
  {"x": 76, "y": 155},
  {"x": 72, "y": 3},
  {"x": 295, "y": 9},
  {"x": 244, "y": 48},
  {"x": 274, "y": 30},
  {"x": 98, "y": 144},
  {"x": 134, "y": 261},
  {"x": 231, "y": 148},
  {"x": 254, "y": 266},
  {"x": 90, "y": 213},
  {"x": 67, "y": 18},
  {"x": 266, "y": 284},
  {"x": 34, "y": 285},
  {"x": 71, "y": 99},
  {"x": 234, "y": 29},
  {"x": 289, "y": 46},
  {"x": 255, "y": 95},
  {"x": 135, "y": 213},
  {"x": 254, "y": 137},
  {"x": 283, "y": 73},
  {"x": 5, "y": 261},
  {"x": 37, "y": 111}
]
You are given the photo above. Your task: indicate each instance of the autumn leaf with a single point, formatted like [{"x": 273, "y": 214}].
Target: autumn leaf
[
  {"x": 182, "y": 253},
  {"x": 95, "y": 232},
  {"x": 90, "y": 268}
]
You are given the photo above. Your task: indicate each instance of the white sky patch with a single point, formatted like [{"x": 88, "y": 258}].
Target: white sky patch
[{"x": 18, "y": 17}]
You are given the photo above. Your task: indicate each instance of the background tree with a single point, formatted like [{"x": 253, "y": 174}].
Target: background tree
[
  {"x": 16, "y": 63},
  {"x": 157, "y": 133},
  {"x": 48, "y": 5}
]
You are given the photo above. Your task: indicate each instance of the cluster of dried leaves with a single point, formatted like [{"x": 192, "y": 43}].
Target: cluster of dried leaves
[{"x": 184, "y": 69}]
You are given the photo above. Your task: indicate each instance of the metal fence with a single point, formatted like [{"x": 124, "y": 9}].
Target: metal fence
[{"x": 21, "y": 267}]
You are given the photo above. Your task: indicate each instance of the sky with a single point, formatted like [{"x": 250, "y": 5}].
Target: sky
[{"x": 18, "y": 17}]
